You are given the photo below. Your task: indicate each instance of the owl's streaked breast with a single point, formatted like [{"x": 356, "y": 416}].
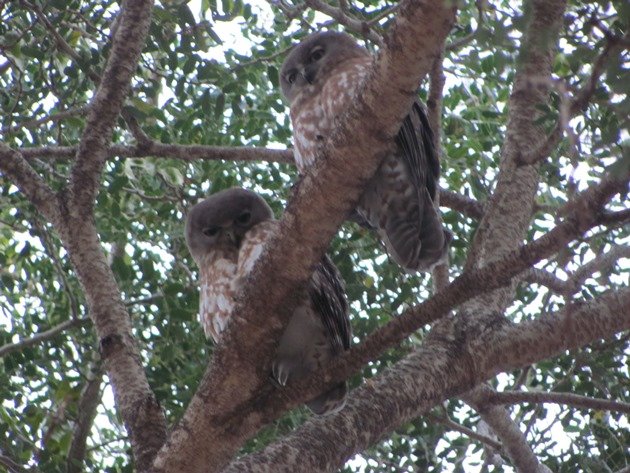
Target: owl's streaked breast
[
  {"x": 217, "y": 271},
  {"x": 252, "y": 246},
  {"x": 314, "y": 112}
]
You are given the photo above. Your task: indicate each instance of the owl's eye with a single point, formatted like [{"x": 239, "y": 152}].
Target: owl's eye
[
  {"x": 316, "y": 54},
  {"x": 211, "y": 231},
  {"x": 291, "y": 77},
  {"x": 244, "y": 218}
]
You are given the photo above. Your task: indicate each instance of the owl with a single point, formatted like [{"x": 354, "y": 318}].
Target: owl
[
  {"x": 319, "y": 78},
  {"x": 225, "y": 234}
]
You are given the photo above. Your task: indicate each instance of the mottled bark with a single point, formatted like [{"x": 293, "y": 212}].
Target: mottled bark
[
  {"x": 509, "y": 210},
  {"x": 584, "y": 214},
  {"x": 323, "y": 198},
  {"x": 71, "y": 213},
  {"x": 513, "y": 441},
  {"x": 466, "y": 350}
]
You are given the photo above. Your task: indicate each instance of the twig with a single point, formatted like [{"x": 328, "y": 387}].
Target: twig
[
  {"x": 599, "y": 263},
  {"x": 545, "y": 278},
  {"x": 350, "y": 22},
  {"x": 575, "y": 279},
  {"x": 572, "y": 107},
  {"x": 575, "y": 400},
  {"x": 29, "y": 183},
  {"x": 260, "y": 59},
  {"x": 88, "y": 403},
  {"x": 61, "y": 42},
  {"x": 461, "y": 42},
  {"x": 42, "y": 336},
  {"x": 513, "y": 440},
  {"x": 465, "y": 205},
  {"x": 45, "y": 238},
  {"x": 440, "y": 273},
  {"x": 384, "y": 13},
  {"x": 13, "y": 466},
  {"x": 56, "y": 117},
  {"x": 465, "y": 430}
]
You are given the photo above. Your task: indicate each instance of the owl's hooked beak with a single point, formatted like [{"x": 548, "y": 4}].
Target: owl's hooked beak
[
  {"x": 308, "y": 74},
  {"x": 231, "y": 236}
]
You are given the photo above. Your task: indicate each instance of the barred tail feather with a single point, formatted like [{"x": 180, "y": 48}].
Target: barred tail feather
[{"x": 331, "y": 401}]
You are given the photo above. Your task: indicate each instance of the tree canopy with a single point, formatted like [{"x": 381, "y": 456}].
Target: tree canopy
[{"x": 117, "y": 117}]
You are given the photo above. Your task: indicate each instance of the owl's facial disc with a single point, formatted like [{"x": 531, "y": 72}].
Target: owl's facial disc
[{"x": 223, "y": 219}]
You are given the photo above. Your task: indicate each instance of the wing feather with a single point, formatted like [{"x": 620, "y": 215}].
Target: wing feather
[
  {"x": 328, "y": 296},
  {"x": 415, "y": 139}
]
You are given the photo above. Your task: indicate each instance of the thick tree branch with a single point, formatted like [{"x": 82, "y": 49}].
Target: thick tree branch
[
  {"x": 470, "y": 348},
  {"x": 106, "y": 105},
  {"x": 322, "y": 199},
  {"x": 569, "y": 399},
  {"x": 74, "y": 221},
  {"x": 584, "y": 214},
  {"x": 509, "y": 210}
]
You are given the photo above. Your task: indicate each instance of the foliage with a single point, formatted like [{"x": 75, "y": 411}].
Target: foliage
[{"x": 209, "y": 75}]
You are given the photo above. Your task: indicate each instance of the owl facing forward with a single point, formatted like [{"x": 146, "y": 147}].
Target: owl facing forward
[
  {"x": 319, "y": 78},
  {"x": 225, "y": 234}
]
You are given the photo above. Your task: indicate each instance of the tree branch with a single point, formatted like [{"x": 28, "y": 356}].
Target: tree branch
[
  {"x": 343, "y": 18},
  {"x": 30, "y": 183},
  {"x": 14, "y": 467},
  {"x": 322, "y": 199},
  {"x": 440, "y": 272},
  {"x": 135, "y": 401},
  {"x": 155, "y": 149},
  {"x": 581, "y": 99},
  {"x": 465, "y": 205},
  {"x": 512, "y": 439},
  {"x": 54, "y": 117},
  {"x": 484, "y": 439},
  {"x": 88, "y": 403},
  {"x": 509, "y": 210},
  {"x": 570, "y": 399},
  {"x": 104, "y": 108},
  {"x": 582, "y": 214},
  {"x": 42, "y": 336},
  {"x": 471, "y": 348},
  {"x": 576, "y": 278}
]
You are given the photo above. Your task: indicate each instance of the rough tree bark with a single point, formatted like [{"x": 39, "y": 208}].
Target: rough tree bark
[
  {"x": 225, "y": 417},
  {"x": 234, "y": 398},
  {"x": 71, "y": 213}
]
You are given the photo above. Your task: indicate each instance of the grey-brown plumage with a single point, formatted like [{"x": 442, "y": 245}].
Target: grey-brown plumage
[
  {"x": 225, "y": 235},
  {"x": 320, "y": 78}
]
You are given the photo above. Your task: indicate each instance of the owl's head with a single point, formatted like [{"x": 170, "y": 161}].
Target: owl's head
[
  {"x": 221, "y": 220},
  {"x": 309, "y": 63}
]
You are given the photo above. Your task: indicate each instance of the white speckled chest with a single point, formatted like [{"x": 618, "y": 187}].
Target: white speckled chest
[{"x": 313, "y": 114}]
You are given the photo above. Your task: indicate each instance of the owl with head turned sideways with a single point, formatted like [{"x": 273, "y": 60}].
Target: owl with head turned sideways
[
  {"x": 226, "y": 234},
  {"x": 320, "y": 78}
]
